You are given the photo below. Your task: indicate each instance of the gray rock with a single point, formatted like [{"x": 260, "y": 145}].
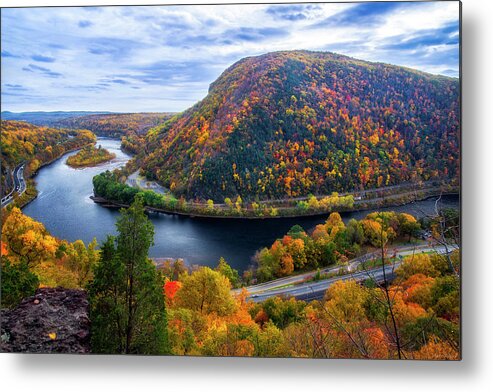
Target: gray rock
[{"x": 54, "y": 320}]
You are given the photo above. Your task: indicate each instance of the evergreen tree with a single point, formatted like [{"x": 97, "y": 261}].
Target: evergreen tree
[{"x": 127, "y": 306}]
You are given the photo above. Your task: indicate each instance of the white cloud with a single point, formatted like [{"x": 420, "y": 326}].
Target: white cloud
[{"x": 164, "y": 58}]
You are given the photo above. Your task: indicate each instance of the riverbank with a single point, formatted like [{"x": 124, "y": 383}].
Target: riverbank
[
  {"x": 65, "y": 208},
  {"x": 118, "y": 189},
  {"x": 31, "y": 192},
  {"x": 396, "y": 200}
]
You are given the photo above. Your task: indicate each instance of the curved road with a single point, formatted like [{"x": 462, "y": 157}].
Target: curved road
[{"x": 19, "y": 184}]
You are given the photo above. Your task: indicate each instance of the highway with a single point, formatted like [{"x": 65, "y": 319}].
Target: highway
[
  {"x": 352, "y": 265},
  {"x": 299, "y": 288},
  {"x": 19, "y": 184}
]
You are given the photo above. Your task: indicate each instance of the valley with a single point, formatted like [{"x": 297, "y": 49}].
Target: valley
[{"x": 293, "y": 201}]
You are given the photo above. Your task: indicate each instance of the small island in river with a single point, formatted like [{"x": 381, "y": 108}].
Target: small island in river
[{"x": 90, "y": 156}]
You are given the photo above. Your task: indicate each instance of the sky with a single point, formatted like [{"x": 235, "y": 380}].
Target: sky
[{"x": 163, "y": 58}]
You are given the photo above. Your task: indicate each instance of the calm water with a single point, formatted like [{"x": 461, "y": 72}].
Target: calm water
[{"x": 64, "y": 207}]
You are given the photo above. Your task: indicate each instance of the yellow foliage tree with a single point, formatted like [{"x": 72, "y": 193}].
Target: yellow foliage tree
[{"x": 206, "y": 291}]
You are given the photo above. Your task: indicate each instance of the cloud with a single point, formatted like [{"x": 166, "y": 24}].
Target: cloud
[
  {"x": 93, "y": 9},
  {"x": 84, "y": 23},
  {"x": 8, "y": 54},
  {"x": 293, "y": 12},
  {"x": 42, "y": 70},
  {"x": 424, "y": 38},
  {"x": 172, "y": 73},
  {"x": 37, "y": 68},
  {"x": 120, "y": 81},
  {"x": 148, "y": 58},
  {"x": 106, "y": 82},
  {"x": 191, "y": 40},
  {"x": 255, "y": 34},
  {"x": 231, "y": 36},
  {"x": 15, "y": 94},
  {"x": 16, "y": 87},
  {"x": 114, "y": 47},
  {"x": 364, "y": 14},
  {"x": 43, "y": 59},
  {"x": 56, "y": 46},
  {"x": 90, "y": 87}
]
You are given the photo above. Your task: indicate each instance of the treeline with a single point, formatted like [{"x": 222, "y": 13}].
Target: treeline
[
  {"x": 330, "y": 243},
  {"x": 115, "y": 124},
  {"x": 90, "y": 156},
  {"x": 106, "y": 185},
  {"x": 289, "y": 124},
  {"x": 138, "y": 310},
  {"x": 109, "y": 186}
]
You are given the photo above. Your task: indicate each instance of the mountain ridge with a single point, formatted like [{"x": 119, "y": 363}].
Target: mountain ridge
[{"x": 288, "y": 124}]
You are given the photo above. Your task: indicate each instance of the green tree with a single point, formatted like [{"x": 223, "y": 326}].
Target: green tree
[
  {"x": 267, "y": 265},
  {"x": 409, "y": 226},
  {"x": 225, "y": 269},
  {"x": 270, "y": 342},
  {"x": 284, "y": 312},
  {"x": 82, "y": 260},
  {"x": 355, "y": 232},
  {"x": 17, "y": 283},
  {"x": 297, "y": 231},
  {"x": 126, "y": 302}
]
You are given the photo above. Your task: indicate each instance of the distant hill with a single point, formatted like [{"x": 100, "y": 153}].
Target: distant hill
[
  {"x": 288, "y": 124},
  {"x": 44, "y": 118},
  {"x": 131, "y": 127},
  {"x": 115, "y": 124}
]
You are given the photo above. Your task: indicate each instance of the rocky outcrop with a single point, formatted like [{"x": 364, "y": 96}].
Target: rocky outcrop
[{"x": 54, "y": 320}]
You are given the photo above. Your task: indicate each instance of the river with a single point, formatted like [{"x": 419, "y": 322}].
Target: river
[{"x": 64, "y": 207}]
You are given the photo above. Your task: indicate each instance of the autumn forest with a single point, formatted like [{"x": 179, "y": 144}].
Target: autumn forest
[{"x": 284, "y": 135}]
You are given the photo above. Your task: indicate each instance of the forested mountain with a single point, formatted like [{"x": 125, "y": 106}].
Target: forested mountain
[
  {"x": 115, "y": 124},
  {"x": 101, "y": 123},
  {"x": 288, "y": 124},
  {"x": 131, "y": 127}
]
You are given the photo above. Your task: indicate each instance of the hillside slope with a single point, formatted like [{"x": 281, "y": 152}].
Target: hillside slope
[{"x": 288, "y": 124}]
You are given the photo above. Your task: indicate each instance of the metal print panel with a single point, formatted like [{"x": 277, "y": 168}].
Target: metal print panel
[{"x": 270, "y": 180}]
